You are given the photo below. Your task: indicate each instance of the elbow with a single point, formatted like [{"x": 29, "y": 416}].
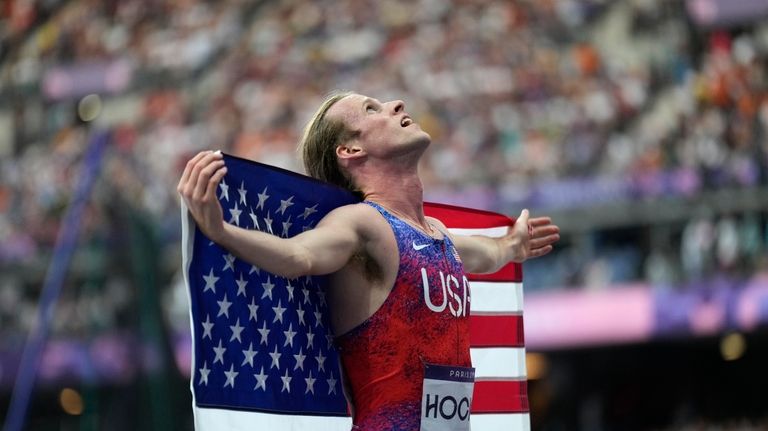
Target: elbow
[{"x": 298, "y": 265}]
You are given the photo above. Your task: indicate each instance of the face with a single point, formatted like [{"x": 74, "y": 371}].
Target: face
[{"x": 381, "y": 128}]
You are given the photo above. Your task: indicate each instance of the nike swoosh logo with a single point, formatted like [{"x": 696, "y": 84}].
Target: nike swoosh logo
[{"x": 418, "y": 247}]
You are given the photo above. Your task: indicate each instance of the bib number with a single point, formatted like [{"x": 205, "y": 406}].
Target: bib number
[{"x": 446, "y": 398}]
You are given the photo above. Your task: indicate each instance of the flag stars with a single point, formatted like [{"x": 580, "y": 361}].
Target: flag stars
[
  {"x": 331, "y": 384},
  {"x": 241, "y": 283},
  {"x": 306, "y": 295},
  {"x": 268, "y": 286},
  {"x": 264, "y": 333},
  {"x": 249, "y": 354},
  {"x": 286, "y": 382},
  {"x": 229, "y": 262},
  {"x": 310, "y": 383},
  {"x": 310, "y": 339},
  {"x": 253, "y": 308},
  {"x": 289, "y": 334},
  {"x": 318, "y": 317},
  {"x": 204, "y": 374},
  {"x": 242, "y": 191},
  {"x": 231, "y": 374},
  {"x": 224, "y": 190},
  {"x": 290, "y": 289},
  {"x": 320, "y": 361},
  {"x": 219, "y": 351},
  {"x": 236, "y": 331},
  {"x": 308, "y": 211},
  {"x": 255, "y": 269},
  {"x": 254, "y": 220},
  {"x": 275, "y": 358},
  {"x": 207, "y": 326},
  {"x": 224, "y": 307},
  {"x": 279, "y": 310},
  {"x": 261, "y": 380},
  {"x": 300, "y": 313},
  {"x": 235, "y": 215},
  {"x": 268, "y": 222},
  {"x": 210, "y": 281},
  {"x": 286, "y": 227},
  {"x": 284, "y": 204},
  {"x": 300, "y": 360},
  {"x": 263, "y": 196}
]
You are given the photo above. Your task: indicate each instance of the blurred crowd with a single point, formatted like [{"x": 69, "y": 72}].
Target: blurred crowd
[{"x": 514, "y": 94}]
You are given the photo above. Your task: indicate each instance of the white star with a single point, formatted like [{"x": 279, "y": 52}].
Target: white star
[
  {"x": 286, "y": 382},
  {"x": 290, "y": 288},
  {"x": 275, "y": 358},
  {"x": 204, "y": 374},
  {"x": 289, "y": 334},
  {"x": 308, "y": 211},
  {"x": 264, "y": 332},
  {"x": 207, "y": 326},
  {"x": 286, "y": 226},
  {"x": 331, "y": 384},
  {"x": 306, "y": 295},
  {"x": 310, "y": 383},
  {"x": 255, "y": 269},
  {"x": 268, "y": 221},
  {"x": 261, "y": 380},
  {"x": 249, "y": 354},
  {"x": 318, "y": 317},
  {"x": 284, "y": 204},
  {"x": 210, "y": 281},
  {"x": 300, "y": 312},
  {"x": 320, "y": 361},
  {"x": 263, "y": 196},
  {"x": 236, "y": 331},
  {"x": 307, "y": 226},
  {"x": 242, "y": 192},
  {"x": 229, "y": 262},
  {"x": 219, "y": 353},
  {"x": 329, "y": 337},
  {"x": 224, "y": 307},
  {"x": 231, "y": 374},
  {"x": 321, "y": 295},
  {"x": 241, "y": 283},
  {"x": 235, "y": 215},
  {"x": 224, "y": 190},
  {"x": 254, "y": 219},
  {"x": 299, "y": 360},
  {"x": 268, "y": 286},
  {"x": 279, "y": 310},
  {"x": 310, "y": 339},
  {"x": 252, "y": 309}
]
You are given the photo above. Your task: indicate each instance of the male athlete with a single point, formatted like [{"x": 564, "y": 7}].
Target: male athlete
[{"x": 398, "y": 296}]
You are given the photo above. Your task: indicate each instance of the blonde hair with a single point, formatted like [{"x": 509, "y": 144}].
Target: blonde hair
[{"x": 319, "y": 141}]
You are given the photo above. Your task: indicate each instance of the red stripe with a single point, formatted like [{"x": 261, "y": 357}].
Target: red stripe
[
  {"x": 496, "y": 331},
  {"x": 465, "y": 218},
  {"x": 511, "y": 272},
  {"x": 493, "y": 396}
]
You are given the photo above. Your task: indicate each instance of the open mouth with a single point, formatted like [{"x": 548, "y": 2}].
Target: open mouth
[{"x": 406, "y": 121}]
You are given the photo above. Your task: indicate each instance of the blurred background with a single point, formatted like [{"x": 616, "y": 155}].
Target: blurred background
[{"x": 640, "y": 126}]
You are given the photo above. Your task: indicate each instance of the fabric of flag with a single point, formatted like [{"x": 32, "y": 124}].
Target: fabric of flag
[
  {"x": 500, "y": 401},
  {"x": 262, "y": 350}
]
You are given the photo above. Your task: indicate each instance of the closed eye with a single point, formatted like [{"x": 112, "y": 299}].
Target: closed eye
[{"x": 370, "y": 109}]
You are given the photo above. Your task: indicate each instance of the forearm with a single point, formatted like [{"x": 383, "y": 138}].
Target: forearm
[
  {"x": 482, "y": 254},
  {"x": 280, "y": 256}
]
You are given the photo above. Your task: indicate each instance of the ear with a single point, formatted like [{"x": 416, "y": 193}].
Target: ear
[{"x": 349, "y": 152}]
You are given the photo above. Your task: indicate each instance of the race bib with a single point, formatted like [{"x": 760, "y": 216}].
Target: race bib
[{"x": 446, "y": 398}]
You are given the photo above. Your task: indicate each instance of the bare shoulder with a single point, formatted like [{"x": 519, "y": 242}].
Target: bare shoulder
[{"x": 362, "y": 218}]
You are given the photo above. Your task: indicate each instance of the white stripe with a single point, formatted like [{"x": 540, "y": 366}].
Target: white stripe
[
  {"x": 500, "y": 422},
  {"x": 217, "y": 419},
  {"x": 187, "y": 242},
  {"x": 505, "y": 362},
  {"x": 493, "y": 232},
  {"x": 496, "y": 297}
]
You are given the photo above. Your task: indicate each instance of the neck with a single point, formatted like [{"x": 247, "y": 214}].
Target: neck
[{"x": 396, "y": 187}]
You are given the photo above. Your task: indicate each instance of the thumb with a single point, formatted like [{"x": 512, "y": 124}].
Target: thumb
[{"x": 523, "y": 218}]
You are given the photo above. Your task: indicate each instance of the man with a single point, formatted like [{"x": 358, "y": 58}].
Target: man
[{"x": 399, "y": 299}]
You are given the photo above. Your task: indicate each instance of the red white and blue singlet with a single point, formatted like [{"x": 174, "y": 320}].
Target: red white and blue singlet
[{"x": 424, "y": 320}]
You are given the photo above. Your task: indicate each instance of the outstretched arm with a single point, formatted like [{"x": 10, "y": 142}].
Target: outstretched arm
[
  {"x": 528, "y": 238},
  {"x": 322, "y": 250}
]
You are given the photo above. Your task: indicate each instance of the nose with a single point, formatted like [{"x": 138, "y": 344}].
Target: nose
[{"x": 397, "y": 106}]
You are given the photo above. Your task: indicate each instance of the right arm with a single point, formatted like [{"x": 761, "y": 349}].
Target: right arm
[{"x": 322, "y": 250}]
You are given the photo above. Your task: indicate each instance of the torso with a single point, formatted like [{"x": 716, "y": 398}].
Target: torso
[{"x": 388, "y": 327}]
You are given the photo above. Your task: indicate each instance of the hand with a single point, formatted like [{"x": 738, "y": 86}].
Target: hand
[
  {"x": 532, "y": 237},
  {"x": 197, "y": 187}
]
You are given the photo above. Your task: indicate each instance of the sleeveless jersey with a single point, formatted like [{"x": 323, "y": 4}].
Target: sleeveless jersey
[{"x": 424, "y": 320}]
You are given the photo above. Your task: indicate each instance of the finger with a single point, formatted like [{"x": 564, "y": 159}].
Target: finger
[
  {"x": 188, "y": 169},
  {"x": 545, "y": 231},
  {"x": 213, "y": 183},
  {"x": 540, "y": 251},
  {"x": 540, "y": 221},
  {"x": 542, "y": 242},
  {"x": 204, "y": 176}
]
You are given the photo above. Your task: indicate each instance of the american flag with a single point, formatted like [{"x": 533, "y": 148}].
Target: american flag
[{"x": 263, "y": 354}]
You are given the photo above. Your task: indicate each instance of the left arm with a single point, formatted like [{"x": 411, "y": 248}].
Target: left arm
[{"x": 528, "y": 238}]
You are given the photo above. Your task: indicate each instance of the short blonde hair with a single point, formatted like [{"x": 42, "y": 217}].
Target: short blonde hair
[{"x": 319, "y": 141}]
